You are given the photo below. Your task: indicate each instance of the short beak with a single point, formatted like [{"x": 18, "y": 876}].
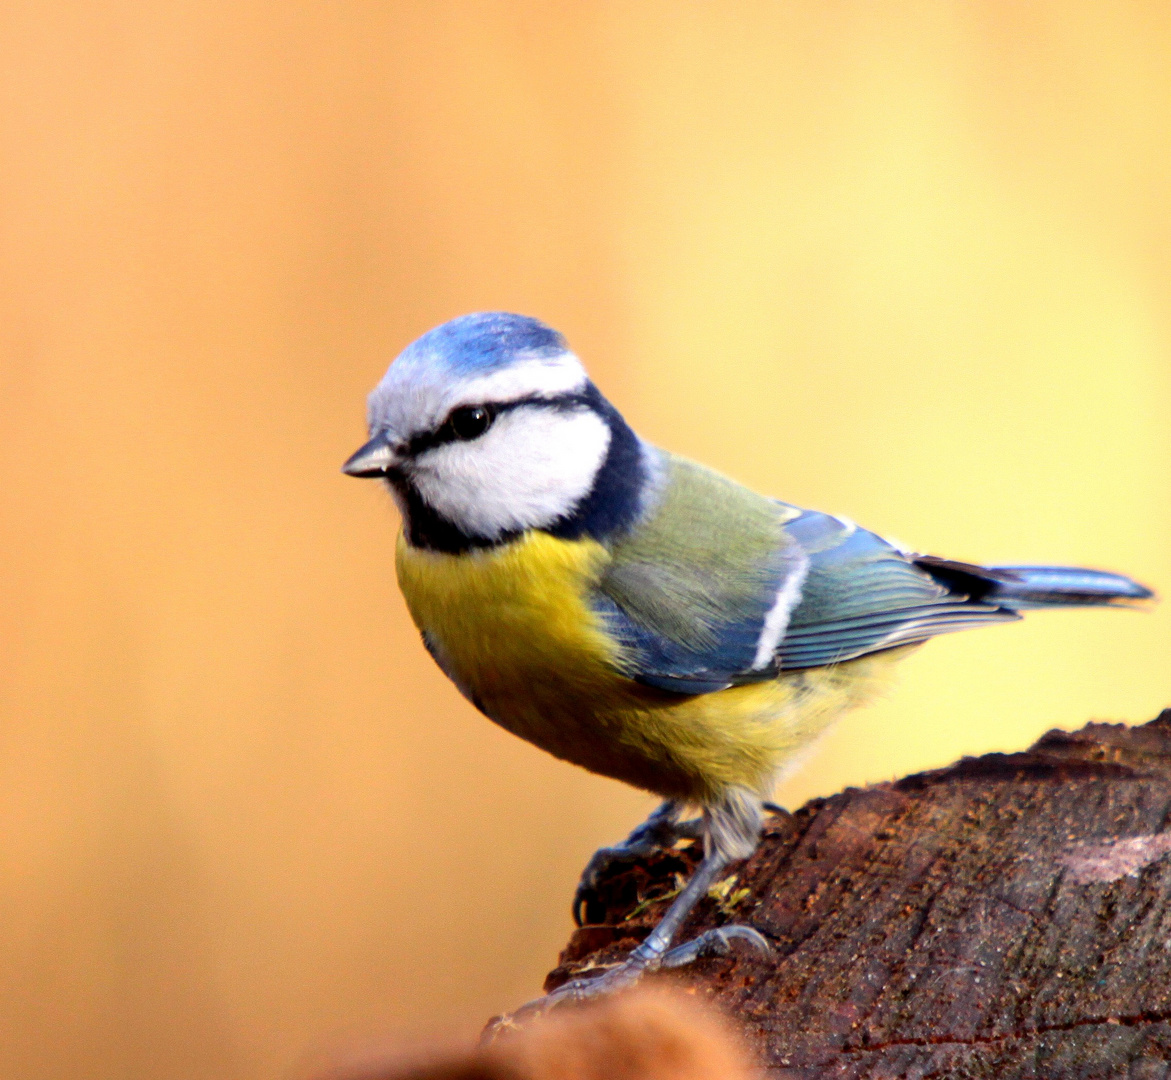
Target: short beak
[{"x": 376, "y": 458}]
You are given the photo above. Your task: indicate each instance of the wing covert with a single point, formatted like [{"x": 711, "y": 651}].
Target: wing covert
[
  {"x": 699, "y": 592},
  {"x": 718, "y": 586},
  {"x": 862, "y": 595}
]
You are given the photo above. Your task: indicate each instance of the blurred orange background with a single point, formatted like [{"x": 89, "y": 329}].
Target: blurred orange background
[{"x": 909, "y": 262}]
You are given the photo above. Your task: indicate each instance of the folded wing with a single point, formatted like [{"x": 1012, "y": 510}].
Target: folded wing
[
  {"x": 862, "y": 595},
  {"x": 719, "y": 586}
]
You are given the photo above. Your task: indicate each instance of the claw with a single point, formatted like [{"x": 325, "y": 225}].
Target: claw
[
  {"x": 586, "y": 893},
  {"x": 658, "y": 832},
  {"x": 575, "y": 992},
  {"x": 717, "y": 942}
]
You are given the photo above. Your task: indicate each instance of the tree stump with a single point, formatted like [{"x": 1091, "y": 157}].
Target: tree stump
[{"x": 1009, "y": 916}]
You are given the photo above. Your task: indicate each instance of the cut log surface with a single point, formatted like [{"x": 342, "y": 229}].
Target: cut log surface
[{"x": 1009, "y": 916}]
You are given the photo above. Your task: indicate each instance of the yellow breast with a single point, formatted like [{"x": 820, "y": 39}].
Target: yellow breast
[{"x": 513, "y": 627}]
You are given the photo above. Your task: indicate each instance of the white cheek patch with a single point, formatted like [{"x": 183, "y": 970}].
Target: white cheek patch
[{"x": 531, "y": 468}]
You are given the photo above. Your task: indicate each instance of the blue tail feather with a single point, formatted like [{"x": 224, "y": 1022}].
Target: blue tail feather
[
  {"x": 1056, "y": 586},
  {"x": 1022, "y": 587}
]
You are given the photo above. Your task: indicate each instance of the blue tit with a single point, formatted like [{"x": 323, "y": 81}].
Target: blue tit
[{"x": 638, "y": 614}]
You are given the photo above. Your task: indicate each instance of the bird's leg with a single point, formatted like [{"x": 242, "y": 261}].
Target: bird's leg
[
  {"x": 660, "y": 830},
  {"x": 731, "y": 831}
]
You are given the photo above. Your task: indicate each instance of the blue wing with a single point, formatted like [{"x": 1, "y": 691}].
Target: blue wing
[
  {"x": 723, "y": 587},
  {"x": 725, "y": 652},
  {"x": 721, "y": 591},
  {"x": 691, "y": 593},
  {"x": 863, "y": 595}
]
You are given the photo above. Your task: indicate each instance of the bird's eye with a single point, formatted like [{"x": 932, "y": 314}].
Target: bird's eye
[{"x": 470, "y": 421}]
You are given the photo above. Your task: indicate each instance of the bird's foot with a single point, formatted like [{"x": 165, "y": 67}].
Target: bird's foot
[
  {"x": 717, "y": 942},
  {"x": 659, "y": 832},
  {"x": 575, "y": 992}
]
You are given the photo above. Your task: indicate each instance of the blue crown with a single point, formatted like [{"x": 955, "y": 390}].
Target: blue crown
[{"x": 484, "y": 341}]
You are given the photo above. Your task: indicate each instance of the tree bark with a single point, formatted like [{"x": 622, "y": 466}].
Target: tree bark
[{"x": 1009, "y": 916}]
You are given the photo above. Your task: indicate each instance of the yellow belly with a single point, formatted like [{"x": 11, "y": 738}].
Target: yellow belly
[{"x": 513, "y": 628}]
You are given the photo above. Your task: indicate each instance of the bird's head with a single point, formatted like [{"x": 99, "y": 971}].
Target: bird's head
[{"x": 488, "y": 426}]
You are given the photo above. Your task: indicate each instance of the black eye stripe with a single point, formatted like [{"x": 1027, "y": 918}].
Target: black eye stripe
[{"x": 446, "y": 432}]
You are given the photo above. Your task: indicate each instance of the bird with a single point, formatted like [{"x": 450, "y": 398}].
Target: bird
[{"x": 638, "y": 614}]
